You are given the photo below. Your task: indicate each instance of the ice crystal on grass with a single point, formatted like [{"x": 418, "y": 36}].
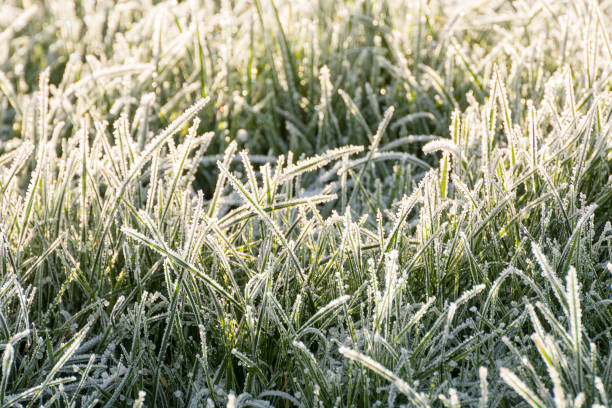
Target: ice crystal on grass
[{"x": 280, "y": 203}]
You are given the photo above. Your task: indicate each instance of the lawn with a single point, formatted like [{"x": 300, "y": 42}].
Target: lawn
[{"x": 284, "y": 203}]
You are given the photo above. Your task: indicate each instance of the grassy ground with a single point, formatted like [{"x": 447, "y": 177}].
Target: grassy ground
[{"x": 359, "y": 203}]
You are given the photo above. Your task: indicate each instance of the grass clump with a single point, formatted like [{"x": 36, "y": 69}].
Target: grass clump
[{"x": 267, "y": 203}]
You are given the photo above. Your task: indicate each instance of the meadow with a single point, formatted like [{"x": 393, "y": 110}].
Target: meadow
[{"x": 357, "y": 203}]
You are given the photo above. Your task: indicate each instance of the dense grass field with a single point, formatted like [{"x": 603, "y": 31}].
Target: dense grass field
[{"x": 351, "y": 203}]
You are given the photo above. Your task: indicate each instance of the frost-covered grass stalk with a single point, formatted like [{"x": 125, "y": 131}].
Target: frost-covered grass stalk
[{"x": 298, "y": 203}]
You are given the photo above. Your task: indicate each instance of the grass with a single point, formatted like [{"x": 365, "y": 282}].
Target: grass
[{"x": 258, "y": 203}]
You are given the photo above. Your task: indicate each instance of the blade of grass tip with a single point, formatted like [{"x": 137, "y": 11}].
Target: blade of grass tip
[
  {"x": 179, "y": 167},
  {"x": 406, "y": 206},
  {"x": 502, "y": 97},
  {"x": 575, "y": 318},
  {"x": 250, "y": 364},
  {"x": 354, "y": 110},
  {"x": 246, "y": 162},
  {"x": 250, "y": 200},
  {"x": 7, "y": 365},
  {"x": 229, "y": 154},
  {"x": 84, "y": 378},
  {"x": 416, "y": 398},
  {"x": 568, "y": 250},
  {"x": 9, "y": 92},
  {"x": 551, "y": 276},
  {"x": 316, "y": 162},
  {"x": 36, "y": 390},
  {"x": 157, "y": 143},
  {"x": 19, "y": 161},
  {"x": 68, "y": 350},
  {"x": 30, "y": 199},
  {"x": 520, "y": 388},
  {"x": 321, "y": 313},
  {"x": 415, "y": 319},
  {"x": 490, "y": 216},
  {"x": 181, "y": 262},
  {"x": 45, "y": 254},
  {"x": 374, "y": 146},
  {"x": 560, "y": 331},
  {"x": 136, "y": 168},
  {"x": 6, "y": 249}
]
